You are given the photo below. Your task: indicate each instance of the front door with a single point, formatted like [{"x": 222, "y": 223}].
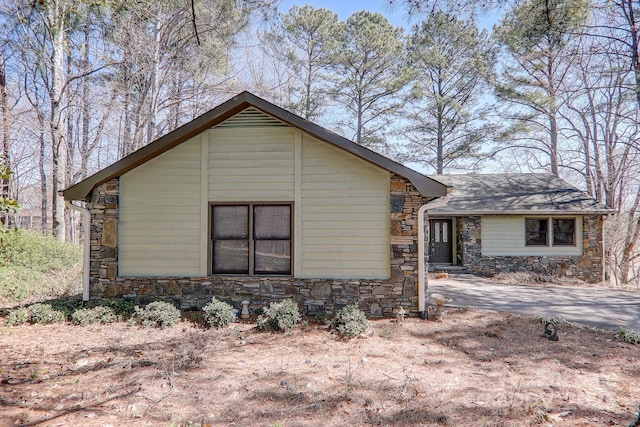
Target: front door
[{"x": 440, "y": 240}]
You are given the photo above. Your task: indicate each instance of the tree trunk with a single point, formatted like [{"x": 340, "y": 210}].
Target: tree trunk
[
  {"x": 59, "y": 144},
  {"x": 5, "y": 184}
]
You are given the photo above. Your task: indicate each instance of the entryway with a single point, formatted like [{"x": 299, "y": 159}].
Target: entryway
[{"x": 440, "y": 237}]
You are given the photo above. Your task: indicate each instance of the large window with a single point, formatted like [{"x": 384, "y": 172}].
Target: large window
[
  {"x": 561, "y": 233},
  {"x": 251, "y": 239}
]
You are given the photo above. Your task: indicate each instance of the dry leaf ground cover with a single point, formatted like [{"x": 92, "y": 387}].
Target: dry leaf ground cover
[{"x": 472, "y": 369}]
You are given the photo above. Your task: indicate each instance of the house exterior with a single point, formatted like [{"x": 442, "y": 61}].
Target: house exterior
[
  {"x": 251, "y": 202},
  {"x": 518, "y": 222}
]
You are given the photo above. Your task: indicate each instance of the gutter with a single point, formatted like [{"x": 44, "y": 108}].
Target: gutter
[
  {"x": 86, "y": 227},
  {"x": 422, "y": 265}
]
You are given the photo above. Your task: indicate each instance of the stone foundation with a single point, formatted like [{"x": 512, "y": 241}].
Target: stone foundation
[
  {"x": 378, "y": 298},
  {"x": 588, "y": 267}
]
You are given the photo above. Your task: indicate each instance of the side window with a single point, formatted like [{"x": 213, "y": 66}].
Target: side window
[
  {"x": 564, "y": 232},
  {"x": 251, "y": 239},
  {"x": 230, "y": 236},
  {"x": 272, "y": 239},
  {"x": 536, "y": 231}
]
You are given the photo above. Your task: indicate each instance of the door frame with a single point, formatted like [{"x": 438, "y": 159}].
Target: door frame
[{"x": 452, "y": 237}]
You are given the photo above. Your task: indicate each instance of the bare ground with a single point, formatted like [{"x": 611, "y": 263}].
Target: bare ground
[{"x": 472, "y": 369}]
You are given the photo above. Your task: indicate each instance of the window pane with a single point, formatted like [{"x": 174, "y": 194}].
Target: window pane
[
  {"x": 536, "y": 232},
  {"x": 272, "y": 222},
  {"x": 445, "y": 232},
  {"x": 230, "y": 222},
  {"x": 437, "y": 232},
  {"x": 273, "y": 256},
  {"x": 564, "y": 232},
  {"x": 231, "y": 256}
]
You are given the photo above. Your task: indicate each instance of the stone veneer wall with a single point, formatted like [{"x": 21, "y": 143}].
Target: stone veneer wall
[
  {"x": 588, "y": 267},
  {"x": 325, "y": 296}
]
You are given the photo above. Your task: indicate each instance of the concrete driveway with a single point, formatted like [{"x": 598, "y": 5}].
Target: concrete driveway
[{"x": 602, "y": 308}]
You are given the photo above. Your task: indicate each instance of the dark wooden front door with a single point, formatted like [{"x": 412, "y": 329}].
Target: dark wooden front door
[{"x": 440, "y": 240}]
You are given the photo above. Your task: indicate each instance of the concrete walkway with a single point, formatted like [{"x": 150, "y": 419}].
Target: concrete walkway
[{"x": 602, "y": 308}]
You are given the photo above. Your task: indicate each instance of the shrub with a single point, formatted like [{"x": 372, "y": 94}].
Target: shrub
[
  {"x": 218, "y": 314},
  {"x": 120, "y": 307},
  {"x": 350, "y": 321},
  {"x": 33, "y": 266},
  {"x": 158, "y": 314},
  {"x": 279, "y": 316},
  {"x": 630, "y": 336},
  {"x": 18, "y": 316},
  {"x": 44, "y": 313},
  {"x": 99, "y": 314}
]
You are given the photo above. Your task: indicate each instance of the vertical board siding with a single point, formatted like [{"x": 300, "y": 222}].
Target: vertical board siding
[
  {"x": 159, "y": 225},
  {"x": 345, "y": 214},
  {"x": 505, "y": 236},
  {"x": 250, "y": 165}
]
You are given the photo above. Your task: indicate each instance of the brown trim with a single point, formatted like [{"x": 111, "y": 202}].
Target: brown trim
[{"x": 428, "y": 187}]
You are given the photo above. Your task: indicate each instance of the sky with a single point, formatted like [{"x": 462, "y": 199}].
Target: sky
[
  {"x": 344, "y": 8},
  {"x": 396, "y": 14}
]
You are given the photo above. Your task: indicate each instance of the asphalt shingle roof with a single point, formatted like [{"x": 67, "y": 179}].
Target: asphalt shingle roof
[{"x": 515, "y": 194}]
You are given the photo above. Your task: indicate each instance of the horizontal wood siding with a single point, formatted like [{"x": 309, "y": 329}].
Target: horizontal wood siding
[
  {"x": 159, "y": 218},
  {"x": 345, "y": 214},
  {"x": 505, "y": 236},
  {"x": 251, "y": 165}
]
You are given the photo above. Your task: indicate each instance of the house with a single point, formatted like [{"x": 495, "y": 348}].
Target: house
[
  {"x": 251, "y": 202},
  {"x": 518, "y": 222}
]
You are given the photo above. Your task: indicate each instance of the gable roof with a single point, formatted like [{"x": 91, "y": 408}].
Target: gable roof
[
  {"x": 530, "y": 193},
  {"x": 426, "y": 186}
]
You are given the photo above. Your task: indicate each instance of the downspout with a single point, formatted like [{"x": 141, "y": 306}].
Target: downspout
[
  {"x": 86, "y": 227},
  {"x": 422, "y": 266}
]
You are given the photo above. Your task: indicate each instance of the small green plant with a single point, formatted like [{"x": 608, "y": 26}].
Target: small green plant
[
  {"x": 18, "y": 316},
  {"x": 44, "y": 313},
  {"x": 218, "y": 314},
  {"x": 279, "y": 316},
  {"x": 630, "y": 336},
  {"x": 350, "y": 321},
  {"x": 157, "y": 314},
  {"x": 120, "y": 307},
  {"x": 89, "y": 316}
]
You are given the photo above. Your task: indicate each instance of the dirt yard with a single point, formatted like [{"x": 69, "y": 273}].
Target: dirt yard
[{"x": 472, "y": 369}]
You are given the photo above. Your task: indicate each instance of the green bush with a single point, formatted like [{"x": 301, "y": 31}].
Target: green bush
[
  {"x": 18, "y": 316},
  {"x": 44, "y": 313},
  {"x": 630, "y": 336},
  {"x": 350, "y": 321},
  {"x": 120, "y": 307},
  {"x": 41, "y": 253},
  {"x": 158, "y": 314},
  {"x": 99, "y": 314},
  {"x": 33, "y": 266},
  {"x": 279, "y": 316},
  {"x": 218, "y": 314}
]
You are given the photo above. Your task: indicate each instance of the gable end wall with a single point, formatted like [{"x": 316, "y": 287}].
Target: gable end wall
[{"x": 377, "y": 297}]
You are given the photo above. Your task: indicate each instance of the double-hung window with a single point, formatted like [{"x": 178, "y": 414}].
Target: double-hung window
[
  {"x": 252, "y": 239},
  {"x": 561, "y": 233}
]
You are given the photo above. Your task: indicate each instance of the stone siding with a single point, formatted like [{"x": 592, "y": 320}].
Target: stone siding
[
  {"x": 376, "y": 297},
  {"x": 588, "y": 267}
]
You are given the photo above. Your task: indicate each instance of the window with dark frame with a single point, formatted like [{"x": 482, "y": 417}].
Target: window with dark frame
[
  {"x": 536, "y": 232},
  {"x": 252, "y": 239},
  {"x": 561, "y": 232},
  {"x": 564, "y": 232}
]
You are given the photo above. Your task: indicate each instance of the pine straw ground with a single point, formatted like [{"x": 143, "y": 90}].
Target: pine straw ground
[{"x": 472, "y": 369}]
